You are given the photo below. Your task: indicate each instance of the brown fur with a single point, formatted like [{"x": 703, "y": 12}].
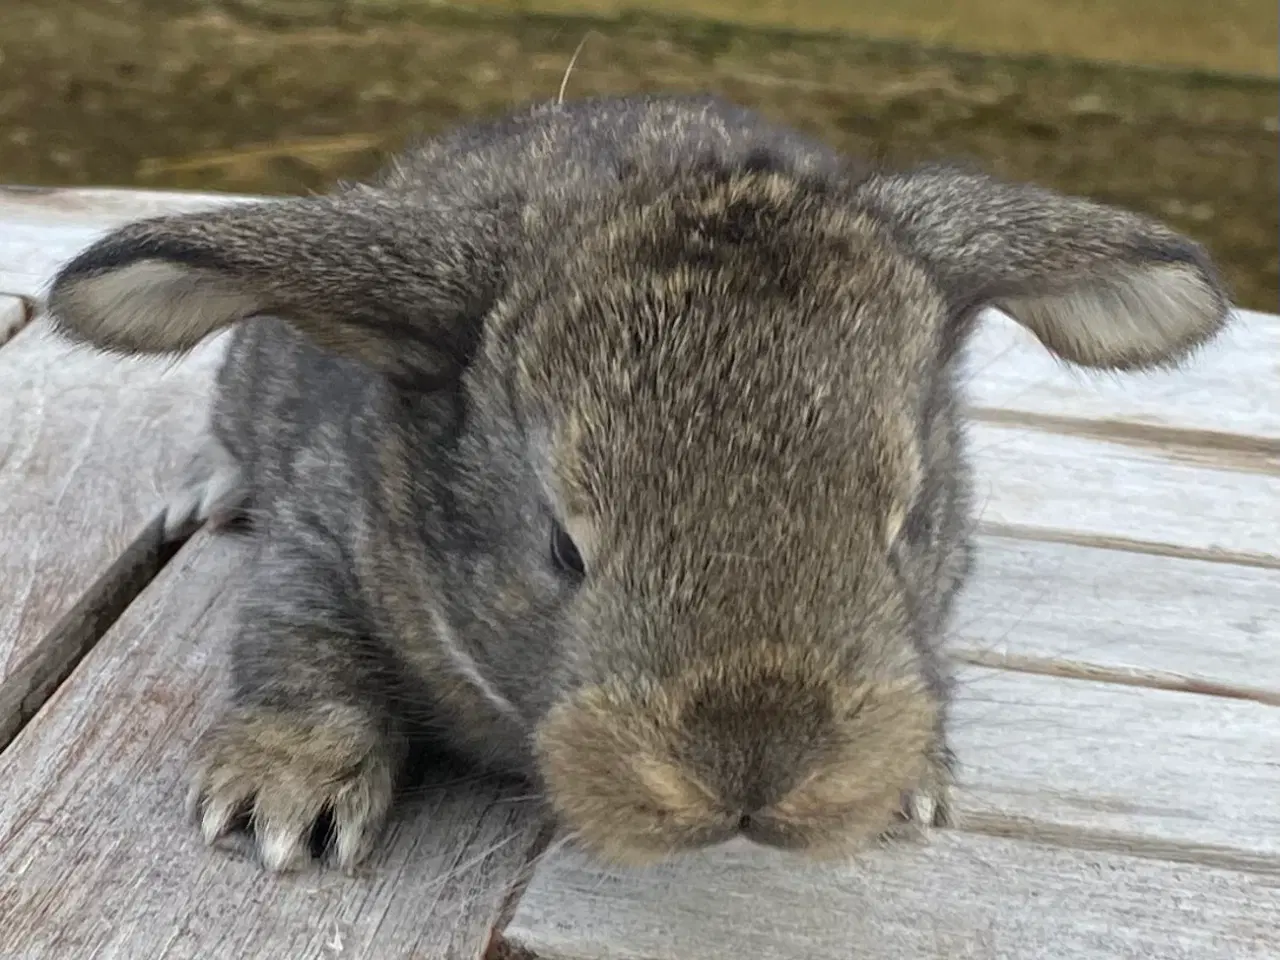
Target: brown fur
[{"x": 710, "y": 359}]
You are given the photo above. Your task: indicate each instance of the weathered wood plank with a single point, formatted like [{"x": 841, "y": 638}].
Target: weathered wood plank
[
  {"x": 1160, "y": 768},
  {"x": 91, "y": 800},
  {"x": 1229, "y": 390},
  {"x": 13, "y": 317},
  {"x": 90, "y": 446},
  {"x": 961, "y": 896},
  {"x": 1135, "y": 617},
  {"x": 41, "y": 228},
  {"x": 1058, "y": 483}
]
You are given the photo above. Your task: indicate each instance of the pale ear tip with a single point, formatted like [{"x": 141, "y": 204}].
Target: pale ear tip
[
  {"x": 55, "y": 308},
  {"x": 1214, "y": 314},
  {"x": 65, "y": 313},
  {"x": 1198, "y": 310}
]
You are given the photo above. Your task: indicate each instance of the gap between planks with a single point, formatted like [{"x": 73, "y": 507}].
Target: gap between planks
[
  {"x": 1227, "y": 451},
  {"x": 1081, "y": 670},
  {"x": 1093, "y": 840},
  {"x": 1041, "y": 534}
]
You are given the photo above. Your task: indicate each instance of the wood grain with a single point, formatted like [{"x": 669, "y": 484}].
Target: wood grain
[
  {"x": 1130, "y": 617},
  {"x": 91, "y": 801},
  {"x": 41, "y": 228},
  {"x": 1230, "y": 389},
  {"x": 1093, "y": 488},
  {"x": 90, "y": 446},
  {"x": 961, "y": 897}
]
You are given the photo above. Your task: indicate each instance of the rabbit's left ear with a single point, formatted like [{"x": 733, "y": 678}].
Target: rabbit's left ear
[
  {"x": 403, "y": 288},
  {"x": 1099, "y": 286}
]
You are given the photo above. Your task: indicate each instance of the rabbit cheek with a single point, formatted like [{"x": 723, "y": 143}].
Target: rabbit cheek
[
  {"x": 605, "y": 761},
  {"x": 881, "y": 752}
]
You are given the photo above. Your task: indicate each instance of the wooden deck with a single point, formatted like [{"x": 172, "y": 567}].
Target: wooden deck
[{"x": 1119, "y": 727}]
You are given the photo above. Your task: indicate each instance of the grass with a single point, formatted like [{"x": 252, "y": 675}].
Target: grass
[{"x": 1232, "y": 36}]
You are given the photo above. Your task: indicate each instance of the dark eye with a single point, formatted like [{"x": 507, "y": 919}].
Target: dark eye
[{"x": 564, "y": 552}]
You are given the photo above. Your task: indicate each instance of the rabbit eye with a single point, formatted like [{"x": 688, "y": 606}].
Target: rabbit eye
[{"x": 564, "y": 552}]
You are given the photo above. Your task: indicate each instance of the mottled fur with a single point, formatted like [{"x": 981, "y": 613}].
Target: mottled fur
[{"x": 720, "y": 355}]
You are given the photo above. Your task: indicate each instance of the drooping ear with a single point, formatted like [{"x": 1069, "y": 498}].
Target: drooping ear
[
  {"x": 399, "y": 287},
  {"x": 1099, "y": 286}
]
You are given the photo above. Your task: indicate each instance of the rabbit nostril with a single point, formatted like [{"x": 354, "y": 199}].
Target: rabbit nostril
[{"x": 744, "y": 823}]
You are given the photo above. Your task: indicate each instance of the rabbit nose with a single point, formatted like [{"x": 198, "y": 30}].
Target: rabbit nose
[{"x": 749, "y": 815}]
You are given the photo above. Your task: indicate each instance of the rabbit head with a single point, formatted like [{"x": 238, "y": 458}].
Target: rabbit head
[{"x": 706, "y": 451}]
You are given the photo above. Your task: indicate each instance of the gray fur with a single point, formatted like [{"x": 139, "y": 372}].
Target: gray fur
[{"x": 721, "y": 355}]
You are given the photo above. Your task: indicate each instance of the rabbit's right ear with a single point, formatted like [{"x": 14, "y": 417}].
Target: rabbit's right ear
[
  {"x": 398, "y": 287},
  {"x": 1098, "y": 285}
]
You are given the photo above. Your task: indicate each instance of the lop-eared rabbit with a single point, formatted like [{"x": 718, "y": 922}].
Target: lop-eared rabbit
[{"x": 612, "y": 444}]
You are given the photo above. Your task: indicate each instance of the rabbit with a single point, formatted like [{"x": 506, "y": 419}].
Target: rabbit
[{"x": 614, "y": 445}]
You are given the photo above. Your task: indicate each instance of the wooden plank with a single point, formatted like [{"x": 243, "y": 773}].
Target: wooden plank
[
  {"x": 41, "y": 228},
  {"x": 91, "y": 800},
  {"x": 1087, "y": 488},
  {"x": 1065, "y": 757},
  {"x": 1140, "y": 618},
  {"x": 961, "y": 896},
  {"x": 1230, "y": 390},
  {"x": 90, "y": 447}
]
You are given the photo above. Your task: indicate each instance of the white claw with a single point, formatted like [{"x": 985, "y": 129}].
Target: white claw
[
  {"x": 350, "y": 843},
  {"x": 217, "y": 816},
  {"x": 279, "y": 848},
  {"x": 921, "y": 809}
]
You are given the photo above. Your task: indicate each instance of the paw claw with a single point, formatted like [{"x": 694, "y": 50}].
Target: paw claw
[
  {"x": 271, "y": 783},
  {"x": 218, "y": 818},
  {"x": 282, "y": 850},
  {"x": 921, "y": 809},
  {"x": 925, "y": 808}
]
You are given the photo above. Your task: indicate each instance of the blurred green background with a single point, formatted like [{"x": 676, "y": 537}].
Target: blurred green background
[{"x": 1167, "y": 106}]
